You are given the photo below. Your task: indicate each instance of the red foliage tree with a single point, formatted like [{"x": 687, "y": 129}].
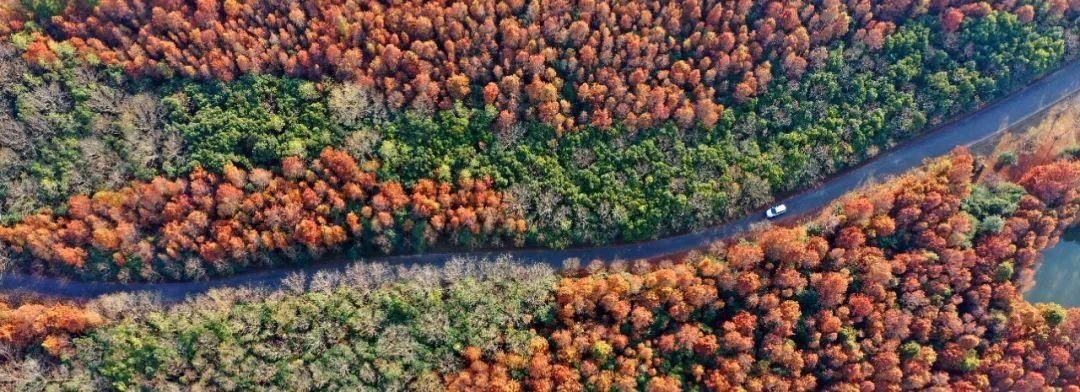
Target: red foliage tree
[
  {"x": 48, "y": 325},
  {"x": 936, "y": 315},
  {"x": 652, "y": 59},
  {"x": 951, "y": 19},
  {"x": 314, "y": 206},
  {"x": 1055, "y": 183}
]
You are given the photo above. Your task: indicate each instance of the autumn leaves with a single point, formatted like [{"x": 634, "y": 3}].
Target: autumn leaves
[
  {"x": 566, "y": 64},
  {"x": 888, "y": 290},
  {"x": 241, "y": 217},
  {"x": 50, "y": 326}
]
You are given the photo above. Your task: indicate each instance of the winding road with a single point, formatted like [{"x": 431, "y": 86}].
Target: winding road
[{"x": 966, "y": 130}]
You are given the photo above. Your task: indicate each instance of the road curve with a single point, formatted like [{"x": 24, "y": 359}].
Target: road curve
[{"x": 966, "y": 130}]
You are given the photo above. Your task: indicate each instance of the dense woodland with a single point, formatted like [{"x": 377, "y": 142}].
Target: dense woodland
[
  {"x": 563, "y": 63},
  {"x": 212, "y": 225},
  {"x": 880, "y": 73},
  {"x": 901, "y": 285},
  {"x": 176, "y": 140},
  {"x": 372, "y": 327},
  {"x": 893, "y": 288},
  {"x": 49, "y": 326}
]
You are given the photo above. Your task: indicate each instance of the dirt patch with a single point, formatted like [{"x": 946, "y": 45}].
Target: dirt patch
[{"x": 1036, "y": 141}]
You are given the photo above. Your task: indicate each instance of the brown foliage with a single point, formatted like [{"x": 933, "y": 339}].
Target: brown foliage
[
  {"x": 951, "y": 19},
  {"x": 1055, "y": 183},
  {"x": 638, "y": 61},
  {"x": 12, "y": 16},
  {"x": 767, "y": 313},
  {"x": 51, "y": 326},
  {"x": 237, "y": 217}
]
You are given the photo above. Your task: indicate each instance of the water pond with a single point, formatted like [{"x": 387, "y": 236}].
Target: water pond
[{"x": 1058, "y": 278}]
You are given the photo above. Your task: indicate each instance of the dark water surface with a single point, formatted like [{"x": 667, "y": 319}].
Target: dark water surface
[{"x": 1058, "y": 278}]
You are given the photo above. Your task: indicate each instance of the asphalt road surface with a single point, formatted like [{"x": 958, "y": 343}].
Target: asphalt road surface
[{"x": 967, "y": 130}]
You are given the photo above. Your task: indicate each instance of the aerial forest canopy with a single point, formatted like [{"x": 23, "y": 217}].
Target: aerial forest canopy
[
  {"x": 566, "y": 64},
  {"x": 173, "y": 142},
  {"x": 611, "y": 123},
  {"x": 892, "y": 288},
  {"x": 895, "y": 286}
]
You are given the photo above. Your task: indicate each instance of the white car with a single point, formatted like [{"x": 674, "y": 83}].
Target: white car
[{"x": 776, "y": 211}]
